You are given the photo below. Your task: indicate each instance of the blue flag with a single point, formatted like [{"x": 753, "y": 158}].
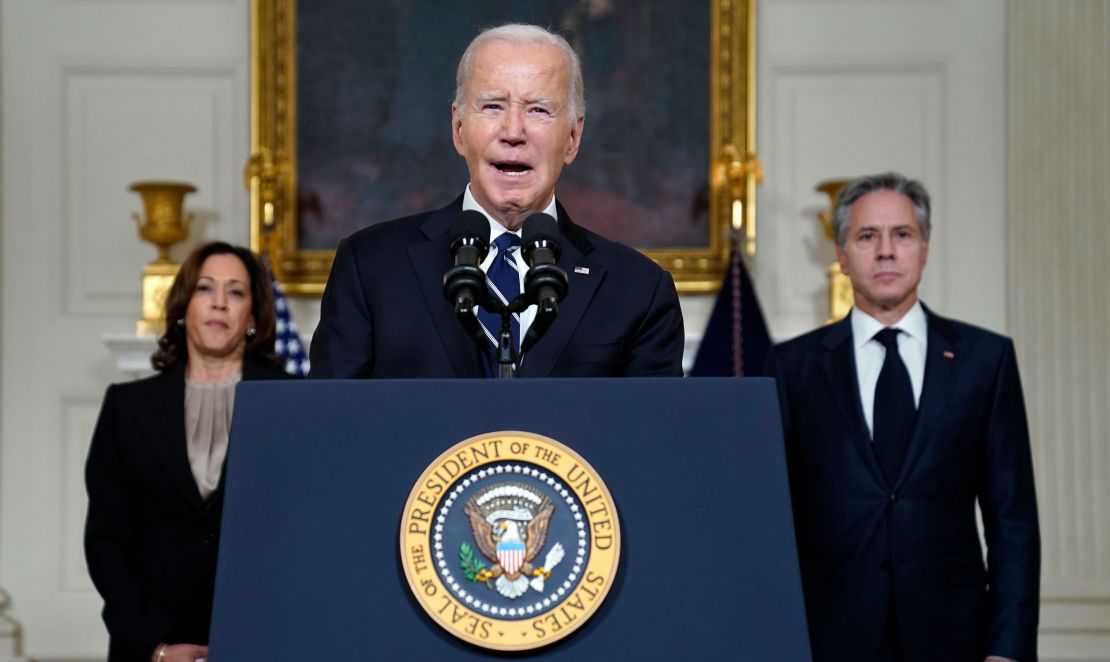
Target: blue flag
[
  {"x": 736, "y": 340},
  {"x": 288, "y": 343}
]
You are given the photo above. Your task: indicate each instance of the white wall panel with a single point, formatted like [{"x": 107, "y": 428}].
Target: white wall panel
[
  {"x": 122, "y": 124},
  {"x": 836, "y": 121},
  {"x": 1059, "y": 168},
  {"x": 77, "y": 414},
  {"x": 851, "y": 87}
]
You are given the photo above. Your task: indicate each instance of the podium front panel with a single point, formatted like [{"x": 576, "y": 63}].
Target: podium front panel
[{"x": 318, "y": 474}]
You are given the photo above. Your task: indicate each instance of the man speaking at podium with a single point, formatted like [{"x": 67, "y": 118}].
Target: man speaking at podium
[
  {"x": 897, "y": 421},
  {"x": 517, "y": 119}
]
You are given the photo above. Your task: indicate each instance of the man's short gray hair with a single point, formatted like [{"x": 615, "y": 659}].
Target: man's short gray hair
[
  {"x": 522, "y": 34},
  {"x": 887, "y": 181}
]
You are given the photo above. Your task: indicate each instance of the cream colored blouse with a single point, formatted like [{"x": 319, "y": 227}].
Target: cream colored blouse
[{"x": 208, "y": 407}]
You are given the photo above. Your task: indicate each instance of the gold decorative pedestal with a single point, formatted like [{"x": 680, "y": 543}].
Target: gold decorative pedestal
[
  {"x": 157, "y": 279},
  {"x": 165, "y": 225},
  {"x": 840, "y": 287}
]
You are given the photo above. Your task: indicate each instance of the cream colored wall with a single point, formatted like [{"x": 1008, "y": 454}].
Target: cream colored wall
[
  {"x": 98, "y": 93},
  {"x": 1058, "y": 240},
  {"x": 849, "y": 87}
]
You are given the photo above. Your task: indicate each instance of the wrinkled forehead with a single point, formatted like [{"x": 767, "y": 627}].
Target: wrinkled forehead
[{"x": 526, "y": 68}]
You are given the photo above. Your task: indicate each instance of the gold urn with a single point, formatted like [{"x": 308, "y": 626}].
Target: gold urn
[
  {"x": 840, "y": 287},
  {"x": 164, "y": 224}
]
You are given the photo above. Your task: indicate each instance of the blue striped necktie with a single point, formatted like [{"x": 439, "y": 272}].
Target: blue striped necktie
[{"x": 504, "y": 285}]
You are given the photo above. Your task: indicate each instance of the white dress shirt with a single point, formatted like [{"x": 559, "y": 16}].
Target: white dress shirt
[
  {"x": 495, "y": 231},
  {"x": 870, "y": 354}
]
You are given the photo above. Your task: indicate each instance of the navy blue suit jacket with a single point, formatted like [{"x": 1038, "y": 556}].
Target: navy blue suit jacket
[
  {"x": 383, "y": 313},
  {"x": 860, "y": 538}
]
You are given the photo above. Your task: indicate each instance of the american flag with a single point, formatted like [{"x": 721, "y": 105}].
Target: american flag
[
  {"x": 736, "y": 340},
  {"x": 288, "y": 342}
]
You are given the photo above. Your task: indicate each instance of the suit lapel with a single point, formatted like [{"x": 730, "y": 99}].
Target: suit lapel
[
  {"x": 839, "y": 366},
  {"x": 940, "y": 373},
  {"x": 583, "y": 284},
  {"x": 167, "y": 434},
  {"x": 430, "y": 260}
]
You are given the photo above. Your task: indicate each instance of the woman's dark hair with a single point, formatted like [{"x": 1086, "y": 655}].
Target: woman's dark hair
[{"x": 172, "y": 347}]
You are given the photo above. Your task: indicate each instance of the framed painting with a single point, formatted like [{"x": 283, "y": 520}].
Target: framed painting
[{"x": 350, "y": 123}]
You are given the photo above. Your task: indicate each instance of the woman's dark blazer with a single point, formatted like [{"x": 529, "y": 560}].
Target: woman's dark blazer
[{"x": 150, "y": 541}]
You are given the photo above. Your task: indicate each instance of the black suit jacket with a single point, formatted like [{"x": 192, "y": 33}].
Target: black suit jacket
[
  {"x": 150, "y": 541},
  {"x": 383, "y": 312},
  {"x": 862, "y": 540}
]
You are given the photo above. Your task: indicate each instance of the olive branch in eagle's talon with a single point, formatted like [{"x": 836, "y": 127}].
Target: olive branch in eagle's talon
[{"x": 472, "y": 565}]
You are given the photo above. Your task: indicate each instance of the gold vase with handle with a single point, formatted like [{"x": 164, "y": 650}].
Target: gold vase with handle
[{"x": 164, "y": 223}]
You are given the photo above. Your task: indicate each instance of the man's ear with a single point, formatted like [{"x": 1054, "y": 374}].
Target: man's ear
[
  {"x": 842, "y": 260},
  {"x": 456, "y": 131},
  {"x": 574, "y": 141}
]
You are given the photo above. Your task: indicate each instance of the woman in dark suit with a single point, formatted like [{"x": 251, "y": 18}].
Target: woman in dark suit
[{"x": 155, "y": 468}]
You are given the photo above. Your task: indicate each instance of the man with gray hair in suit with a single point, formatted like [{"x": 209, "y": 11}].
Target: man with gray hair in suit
[
  {"x": 898, "y": 422},
  {"x": 517, "y": 120}
]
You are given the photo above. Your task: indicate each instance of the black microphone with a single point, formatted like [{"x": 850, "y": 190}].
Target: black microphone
[
  {"x": 545, "y": 284},
  {"x": 464, "y": 284}
]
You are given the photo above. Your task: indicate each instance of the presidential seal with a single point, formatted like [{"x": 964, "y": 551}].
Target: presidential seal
[{"x": 510, "y": 540}]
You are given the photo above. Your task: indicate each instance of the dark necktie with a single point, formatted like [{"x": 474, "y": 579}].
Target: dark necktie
[
  {"x": 895, "y": 411},
  {"x": 504, "y": 285}
]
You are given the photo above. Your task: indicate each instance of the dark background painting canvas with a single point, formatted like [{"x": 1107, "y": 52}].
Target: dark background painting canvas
[{"x": 375, "y": 81}]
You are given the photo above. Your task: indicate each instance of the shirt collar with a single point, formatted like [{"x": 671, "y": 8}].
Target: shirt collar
[
  {"x": 864, "y": 326},
  {"x": 495, "y": 228}
]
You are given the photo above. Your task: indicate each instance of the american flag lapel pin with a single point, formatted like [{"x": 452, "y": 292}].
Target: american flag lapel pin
[
  {"x": 949, "y": 355},
  {"x": 582, "y": 270}
]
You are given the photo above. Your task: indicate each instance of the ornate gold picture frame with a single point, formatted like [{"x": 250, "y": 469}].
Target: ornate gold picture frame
[{"x": 725, "y": 198}]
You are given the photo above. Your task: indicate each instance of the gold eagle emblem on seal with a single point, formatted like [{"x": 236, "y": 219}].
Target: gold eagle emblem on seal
[{"x": 510, "y": 540}]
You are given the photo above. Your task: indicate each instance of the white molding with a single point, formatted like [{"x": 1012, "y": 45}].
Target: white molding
[
  {"x": 89, "y": 288},
  {"x": 131, "y": 352}
]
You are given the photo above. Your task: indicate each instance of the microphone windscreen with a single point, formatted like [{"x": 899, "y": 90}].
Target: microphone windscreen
[
  {"x": 470, "y": 224},
  {"x": 539, "y": 227}
]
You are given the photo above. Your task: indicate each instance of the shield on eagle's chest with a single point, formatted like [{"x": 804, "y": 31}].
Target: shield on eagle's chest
[{"x": 510, "y": 554}]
